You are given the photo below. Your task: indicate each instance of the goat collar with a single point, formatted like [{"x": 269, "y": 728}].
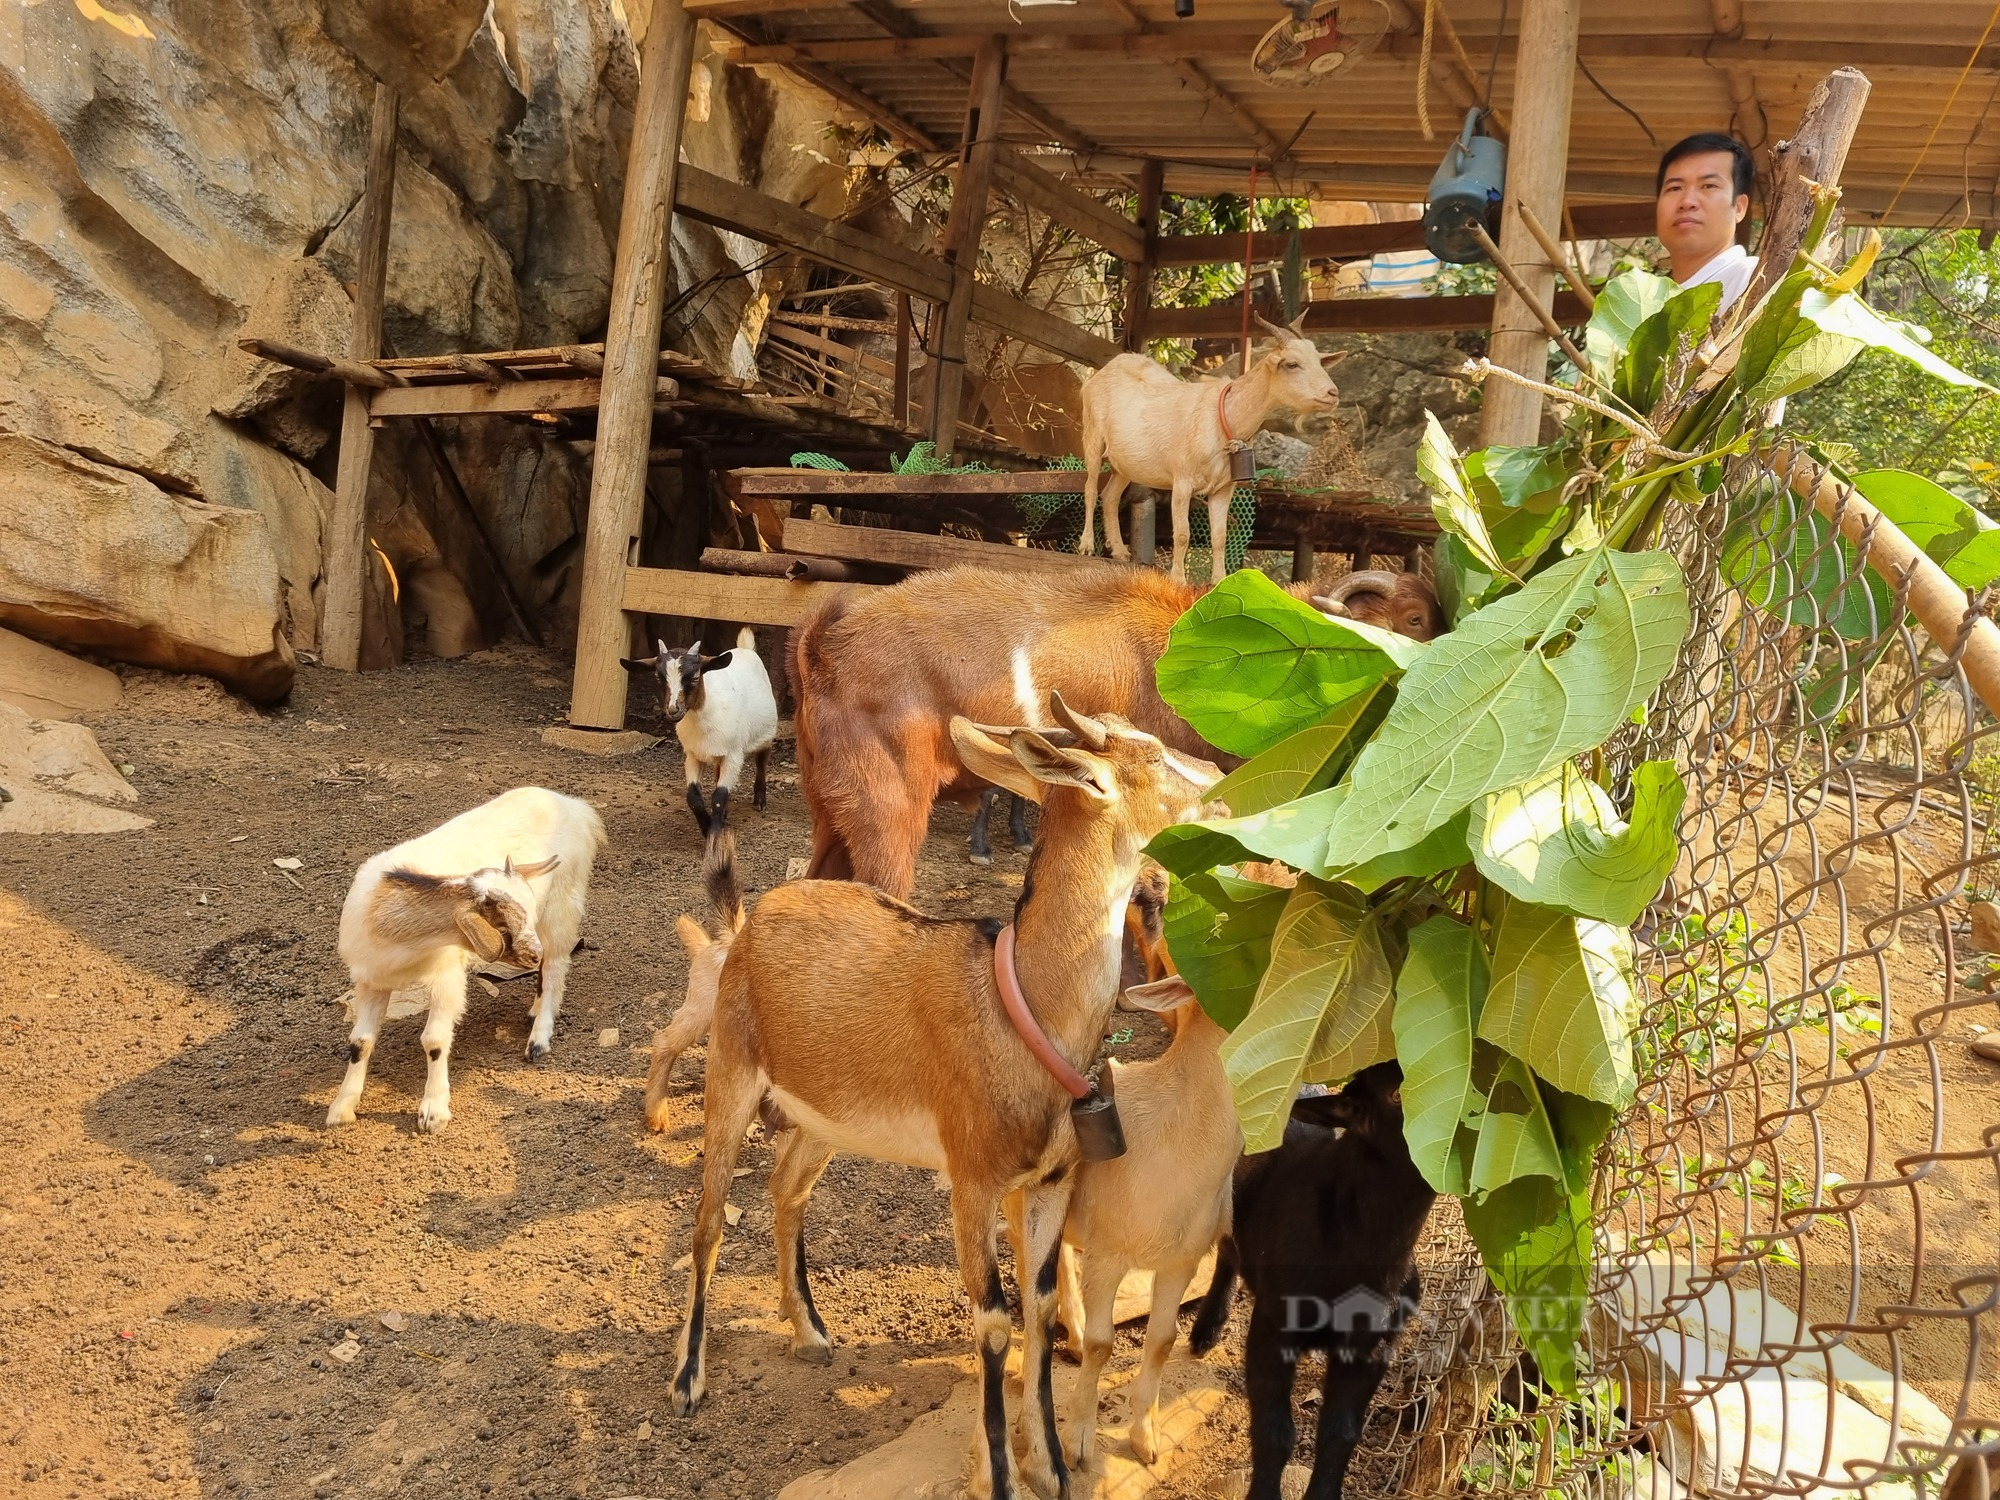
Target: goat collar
[
  {"x": 1222, "y": 410},
  {"x": 1023, "y": 1019}
]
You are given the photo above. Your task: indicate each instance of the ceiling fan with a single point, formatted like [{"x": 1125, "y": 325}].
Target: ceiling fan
[{"x": 1318, "y": 41}]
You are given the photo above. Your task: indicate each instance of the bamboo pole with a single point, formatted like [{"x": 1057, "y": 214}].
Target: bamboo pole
[
  {"x": 631, "y": 358},
  {"x": 977, "y": 152},
  {"x": 1579, "y": 283},
  {"x": 347, "y": 527},
  {"x": 1544, "y": 70}
]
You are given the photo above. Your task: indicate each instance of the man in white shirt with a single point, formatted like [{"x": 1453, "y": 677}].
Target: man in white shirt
[{"x": 1702, "y": 194}]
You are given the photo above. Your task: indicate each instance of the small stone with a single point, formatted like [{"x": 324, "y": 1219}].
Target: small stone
[
  {"x": 289, "y": 862},
  {"x": 732, "y": 1214},
  {"x": 598, "y": 741},
  {"x": 795, "y": 867},
  {"x": 1985, "y": 926},
  {"x": 392, "y": 1320},
  {"x": 346, "y": 1351},
  {"x": 645, "y": 1433},
  {"x": 608, "y": 1037},
  {"x": 486, "y": 984}
]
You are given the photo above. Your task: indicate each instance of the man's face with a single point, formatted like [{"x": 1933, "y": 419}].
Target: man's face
[{"x": 1699, "y": 208}]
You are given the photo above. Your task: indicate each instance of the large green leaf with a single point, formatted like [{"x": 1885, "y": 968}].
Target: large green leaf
[
  {"x": 1516, "y": 1138},
  {"x": 1525, "y": 683},
  {"x": 1306, "y": 762},
  {"x": 1328, "y": 978},
  {"x": 1558, "y": 841},
  {"x": 1562, "y": 1000},
  {"x": 1513, "y": 477},
  {"x": 1684, "y": 316},
  {"x": 1445, "y": 847},
  {"x": 1219, "y": 930},
  {"x": 1338, "y": 1055},
  {"x": 1845, "y": 315},
  {"x": 1438, "y": 998},
  {"x": 1534, "y": 1237},
  {"x": 1248, "y": 664},
  {"x": 1452, "y": 501},
  {"x": 1953, "y": 535},
  {"x": 1462, "y": 583},
  {"x": 1625, "y": 302},
  {"x": 1294, "y": 832},
  {"x": 1787, "y": 560}
]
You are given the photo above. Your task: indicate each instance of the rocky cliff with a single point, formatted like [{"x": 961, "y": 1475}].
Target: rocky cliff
[{"x": 177, "y": 174}]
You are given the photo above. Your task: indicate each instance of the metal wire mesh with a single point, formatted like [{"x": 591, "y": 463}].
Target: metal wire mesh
[{"x": 1798, "y": 1221}]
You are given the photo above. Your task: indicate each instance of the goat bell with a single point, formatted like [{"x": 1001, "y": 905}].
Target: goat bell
[{"x": 1099, "y": 1135}]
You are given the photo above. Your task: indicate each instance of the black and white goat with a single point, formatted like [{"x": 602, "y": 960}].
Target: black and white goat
[
  {"x": 1324, "y": 1235},
  {"x": 723, "y": 712},
  {"x": 425, "y": 913}
]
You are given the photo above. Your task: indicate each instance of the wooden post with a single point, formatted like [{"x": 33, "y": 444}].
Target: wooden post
[
  {"x": 1544, "y": 69},
  {"x": 899, "y": 402},
  {"x": 1145, "y": 528},
  {"x": 347, "y": 527},
  {"x": 1302, "y": 560},
  {"x": 631, "y": 368},
  {"x": 1139, "y": 276},
  {"x": 1815, "y": 153},
  {"x": 978, "y": 147}
]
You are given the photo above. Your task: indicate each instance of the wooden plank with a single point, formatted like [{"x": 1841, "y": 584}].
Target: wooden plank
[
  {"x": 1020, "y": 178},
  {"x": 1358, "y": 315},
  {"x": 1040, "y": 327},
  {"x": 971, "y": 184},
  {"x": 832, "y": 487},
  {"x": 912, "y": 549},
  {"x": 631, "y": 366},
  {"x": 517, "y": 398},
  {"x": 722, "y": 596},
  {"x": 347, "y": 526},
  {"x": 1594, "y": 221}
]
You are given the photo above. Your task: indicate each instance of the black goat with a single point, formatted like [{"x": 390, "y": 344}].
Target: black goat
[
  {"x": 1324, "y": 1237},
  {"x": 982, "y": 847}
]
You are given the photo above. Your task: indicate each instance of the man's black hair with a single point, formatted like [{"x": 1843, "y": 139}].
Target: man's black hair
[{"x": 1700, "y": 144}]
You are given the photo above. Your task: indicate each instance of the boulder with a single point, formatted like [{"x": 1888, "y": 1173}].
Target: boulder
[
  {"x": 50, "y": 684},
  {"x": 240, "y": 472},
  {"x": 96, "y": 556},
  {"x": 103, "y": 429},
  {"x": 48, "y": 770},
  {"x": 302, "y": 306}
]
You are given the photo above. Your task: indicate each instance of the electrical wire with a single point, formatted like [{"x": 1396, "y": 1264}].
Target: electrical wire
[
  {"x": 1493, "y": 62},
  {"x": 1943, "y": 114},
  {"x": 1584, "y": 67}
]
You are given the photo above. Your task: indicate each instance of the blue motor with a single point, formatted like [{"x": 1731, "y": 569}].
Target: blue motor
[{"x": 1466, "y": 191}]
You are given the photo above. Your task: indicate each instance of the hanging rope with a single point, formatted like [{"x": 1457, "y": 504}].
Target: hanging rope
[
  {"x": 1952, "y": 99},
  {"x": 1436, "y": 19},
  {"x": 1424, "y": 75}
]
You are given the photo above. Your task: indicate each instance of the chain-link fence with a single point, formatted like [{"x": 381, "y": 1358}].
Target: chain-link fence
[{"x": 1798, "y": 1221}]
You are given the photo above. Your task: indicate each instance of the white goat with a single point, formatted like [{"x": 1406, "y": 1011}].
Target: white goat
[
  {"x": 427, "y": 911},
  {"x": 723, "y": 712},
  {"x": 1176, "y": 435},
  {"x": 1159, "y": 1207}
]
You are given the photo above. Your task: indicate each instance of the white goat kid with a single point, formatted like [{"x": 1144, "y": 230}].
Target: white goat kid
[
  {"x": 1176, "y": 435},
  {"x": 428, "y": 911},
  {"x": 723, "y": 712},
  {"x": 1160, "y": 1207}
]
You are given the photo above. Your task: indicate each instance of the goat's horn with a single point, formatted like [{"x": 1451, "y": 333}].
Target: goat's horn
[
  {"x": 1088, "y": 730},
  {"x": 1374, "y": 580},
  {"x": 1298, "y": 325},
  {"x": 1062, "y": 739},
  {"x": 1269, "y": 327}
]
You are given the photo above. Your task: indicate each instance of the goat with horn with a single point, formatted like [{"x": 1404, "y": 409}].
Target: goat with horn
[{"x": 1190, "y": 437}]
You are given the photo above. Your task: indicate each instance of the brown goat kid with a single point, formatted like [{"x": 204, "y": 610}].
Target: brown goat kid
[
  {"x": 879, "y": 674},
  {"x": 875, "y": 1029}
]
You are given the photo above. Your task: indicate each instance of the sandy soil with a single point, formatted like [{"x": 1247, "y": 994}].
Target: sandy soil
[{"x": 191, "y": 1252}]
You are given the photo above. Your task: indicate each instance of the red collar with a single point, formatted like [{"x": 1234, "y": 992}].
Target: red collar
[
  {"x": 1222, "y": 410},
  {"x": 1023, "y": 1019}
]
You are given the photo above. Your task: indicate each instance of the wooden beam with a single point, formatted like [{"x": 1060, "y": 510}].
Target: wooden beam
[
  {"x": 354, "y": 373},
  {"x": 631, "y": 362},
  {"x": 1020, "y": 178},
  {"x": 1139, "y": 276},
  {"x": 970, "y": 185},
  {"x": 1356, "y": 315},
  {"x": 1544, "y": 69},
  {"x": 911, "y": 549},
  {"x": 347, "y": 528},
  {"x": 781, "y": 565},
  {"x": 1039, "y": 327},
  {"x": 1360, "y": 241},
  {"x": 899, "y": 398},
  {"x": 518, "y": 398},
  {"x": 721, "y": 596},
  {"x": 832, "y": 487},
  {"x": 1196, "y": 77},
  {"x": 1816, "y": 153}
]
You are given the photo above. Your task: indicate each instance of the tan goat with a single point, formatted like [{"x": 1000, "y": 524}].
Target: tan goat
[
  {"x": 1172, "y": 434},
  {"x": 875, "y": 1029}
]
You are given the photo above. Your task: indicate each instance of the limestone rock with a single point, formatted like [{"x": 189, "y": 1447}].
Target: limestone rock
[
  {"x": 304, "y": 307},
  {"x": 1280, "y": 451},
  {"x": 433, "y": 596},
  {"x": 44, "y": 766},
  {"x": 96, "y": 556},
  {"x": 105, "y": 430},
  {"x": 51, "y": 684},
  {"x": 240, "y": 472},
  {"x": 1985, "y": 926}
]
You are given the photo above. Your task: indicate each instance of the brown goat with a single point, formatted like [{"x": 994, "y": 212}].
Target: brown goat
[
  {"x": 879, "y": 674},
  {"x": 875, "y": 1029}
]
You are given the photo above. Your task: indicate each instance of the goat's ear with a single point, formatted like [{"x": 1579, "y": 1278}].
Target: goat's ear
[
  {"x": 539, "y": 867},
  {"x": 1330, "y": 1111},
  {"x": 1160, "y": 996},
  {"x": 1328, "y": 361},
  {"x": 988, "y": 756},
  {"x": 481, "y": 936},
  {"x": 716, "y": 663},
  {"x": 1060, "y": 767},
  {"x": 651, "y": 663}
]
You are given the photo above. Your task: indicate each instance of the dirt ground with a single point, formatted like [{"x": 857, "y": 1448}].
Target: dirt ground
[{"x": 190, "y": 1252}]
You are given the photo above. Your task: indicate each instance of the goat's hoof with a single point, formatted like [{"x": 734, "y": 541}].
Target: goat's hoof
[
  {"x": 1050, "y": 1479},
  {"x": 340, "y": 1114},
  {"x": 1141, "y": 1442},
  {"x": 813, "y": 1354},
  {"x": 433, "y": 1118},
  {"x": 688, "y": 1389},
  {"x": 537, "y": 1051},
  {"x": 979, "y": 859}
]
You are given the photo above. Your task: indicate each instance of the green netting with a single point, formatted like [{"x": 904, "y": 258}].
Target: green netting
[{"x": 1056, "y": 521}]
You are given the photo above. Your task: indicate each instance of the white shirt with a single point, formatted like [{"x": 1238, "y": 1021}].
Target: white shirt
[{"x": 1733, "y": 268}]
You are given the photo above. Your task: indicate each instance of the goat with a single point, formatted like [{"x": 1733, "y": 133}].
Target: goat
[
  {"x": 1324, "y": 1235},
  {"x": 1161, "y": 1205},
  {"x": 1178, "y": 435},
  {"x": 878, "y": 674},
  {"x": 1403, "y": 602},
  {"x": 707, "y": 947},
  {"x": 873, "y": 1028},
  {"x": 431, "y": 909},
  {"x": 723, "y": 711},
  {"x": 981, "y": 844}
]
